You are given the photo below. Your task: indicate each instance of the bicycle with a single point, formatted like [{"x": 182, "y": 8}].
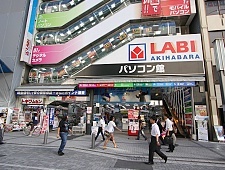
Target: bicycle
[
  {"x": 8, "y": 127},
  {"x": 36, "y": 131}
]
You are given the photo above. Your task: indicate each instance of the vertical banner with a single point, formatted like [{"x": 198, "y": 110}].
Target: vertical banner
[
  {"x": 151, "y": 7},
  {"x": 202, "y": 122},
  {"x": 29, "y": 31},
  {"x": 133, "y": 125},
  {"x": 45, "y": 124}
]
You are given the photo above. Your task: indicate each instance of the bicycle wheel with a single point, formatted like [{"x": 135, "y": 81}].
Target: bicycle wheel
[
  {"x": 26, "y": 130},
  {"x": 36, "y": 131}
]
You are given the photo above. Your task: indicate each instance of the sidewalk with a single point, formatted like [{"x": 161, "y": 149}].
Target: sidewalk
[{"x": 128, "y": 147}]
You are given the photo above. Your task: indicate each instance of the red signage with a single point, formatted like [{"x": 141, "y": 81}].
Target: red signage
[
  {"x": 166, "y": 7},
  {"x": 178, "y": 47},
  {"x": 31, "y": 101},
  {"x": 151, "y": 7}
]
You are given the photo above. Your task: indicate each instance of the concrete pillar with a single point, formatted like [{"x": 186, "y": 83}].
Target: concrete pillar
[{"x": 212, "y": 105}]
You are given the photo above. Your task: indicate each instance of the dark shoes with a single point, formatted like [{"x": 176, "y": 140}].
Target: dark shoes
[
  {"x": 2, "y": 143},
  {"x": 60, "y": 153},
  {"x": 165, "y": 159},
  {"x": 136, "y": 139},
  {"x": 149, "y": 163},
  {"x": 169, "y": 151}
]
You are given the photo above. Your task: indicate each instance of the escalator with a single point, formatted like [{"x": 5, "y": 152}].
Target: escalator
[
  {"x": 100, "y": 49},
  {"x": 172, "y": 113},
  {"x": 76, "y": 26}
]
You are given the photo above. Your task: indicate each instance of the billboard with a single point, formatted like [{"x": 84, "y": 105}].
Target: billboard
[
  {"x": 166, "y": 7},
  {"x": 169, "y": 55}
]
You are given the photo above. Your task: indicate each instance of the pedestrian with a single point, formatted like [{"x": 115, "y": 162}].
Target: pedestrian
[
  {"x": 110, "y": 129},
  {"x": 169, "y": 131},
  {"x": 154, "y": 145},
  {"x": 101, "y": 125},
  {"x": 1, "y": 128},
  {"x": 158, "y": 122},
  {"x": 63, "y": 131},
  {"x": 141, "y": 129},
  {"x": 173, "y": 134},
  {"x": 35, "y": 121}
]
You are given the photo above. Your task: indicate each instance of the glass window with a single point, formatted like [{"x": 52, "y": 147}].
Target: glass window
[
  {"x": 63, "y": 36},
  {"x": 42, "y": 8},
  {"x": 102, "y": 13},
  {"x": 49, "y": 38},
  {"x": 38, "y": 38},
  {"x": 116, "y": 5},
  {"x": 215, "y": 8}
]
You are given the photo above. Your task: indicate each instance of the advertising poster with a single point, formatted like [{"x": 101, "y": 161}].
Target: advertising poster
[
  {"x": 202, "y": 122},
  {"x": 122, "y": 95},
  {"x": 45, "y": 124},
  {"x": 133, "y": 125},
  {"x": 219, "y": 133}
]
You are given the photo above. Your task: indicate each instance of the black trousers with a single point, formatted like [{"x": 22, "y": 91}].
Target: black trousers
[
  {"x": 100, "y": 131},
  {"x": 171, "y": 148},
  {"x": 1, "y": 135},
  {"x": 153, "y": 147},
  {"x": 140, "y": 132}
]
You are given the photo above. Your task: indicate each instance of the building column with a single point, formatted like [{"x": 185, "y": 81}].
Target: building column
[{"x": 212, "y": 105}]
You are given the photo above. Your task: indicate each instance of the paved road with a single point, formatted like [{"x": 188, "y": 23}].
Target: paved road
[{"x": 23, "y": 153}]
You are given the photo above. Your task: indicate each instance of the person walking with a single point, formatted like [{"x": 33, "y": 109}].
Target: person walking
[
  {"x": 35, "y": 121},
  {"x": 1, "y": 128},
  {"x": 63, "y": 131},
  {"x": 110, "y": 130},
  {"x": 141, "y": 129},
  {"x": 169, "y": 131},
  {"x": 154, "y": 145},
  {"x": 101, "y": 125}
]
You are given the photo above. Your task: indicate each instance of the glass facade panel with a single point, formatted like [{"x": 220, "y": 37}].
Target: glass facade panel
[
  {"x": 99, "y": 50},
  {"x": 86, "y": 22},
  {"x": 58, "y": 6}
]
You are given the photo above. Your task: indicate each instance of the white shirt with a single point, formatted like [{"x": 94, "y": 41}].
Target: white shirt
[
  {"x": 155, "y": 130},
  {"x": 169, "y": 124},
  {"x": 110, "y": 127},
  {"x": 101, "y": 123}
]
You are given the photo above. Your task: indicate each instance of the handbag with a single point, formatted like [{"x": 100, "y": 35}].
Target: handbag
[
  {"x": 106, "y": 133},
  {"x": 168, "y": 140}
]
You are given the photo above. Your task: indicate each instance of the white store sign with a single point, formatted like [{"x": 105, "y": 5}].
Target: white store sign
[{"x": 179, "y": 48}]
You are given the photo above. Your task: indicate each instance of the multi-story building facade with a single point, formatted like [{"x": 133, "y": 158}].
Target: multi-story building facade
[{"x": 113, "y": 49}]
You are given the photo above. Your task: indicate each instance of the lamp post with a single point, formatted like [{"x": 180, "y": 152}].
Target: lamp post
[{"x": 219, "y": 51}]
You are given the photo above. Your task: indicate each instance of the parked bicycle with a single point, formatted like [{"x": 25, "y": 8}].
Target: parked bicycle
[
  {"x": 36, "y": 131},
  {"x": 8, "y": 128}
]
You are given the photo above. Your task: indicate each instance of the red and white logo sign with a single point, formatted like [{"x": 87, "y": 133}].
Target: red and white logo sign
[{"x": 137, "y": 52}]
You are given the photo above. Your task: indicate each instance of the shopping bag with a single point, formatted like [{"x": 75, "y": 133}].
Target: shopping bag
[{"x": 168, "y": 140}]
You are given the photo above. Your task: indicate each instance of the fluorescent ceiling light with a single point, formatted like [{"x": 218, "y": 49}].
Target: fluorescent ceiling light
[
  {"x": 91, "y": 18},
  {"x": 100, "y": 13},
  {"x": 81, "y": 24},
  {"x": 113, "y": 5}
]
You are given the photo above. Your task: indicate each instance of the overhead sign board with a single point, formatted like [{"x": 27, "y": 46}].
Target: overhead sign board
[
  {"x": 52, "y": 93},
  {"x": 139, "y": 84}
]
